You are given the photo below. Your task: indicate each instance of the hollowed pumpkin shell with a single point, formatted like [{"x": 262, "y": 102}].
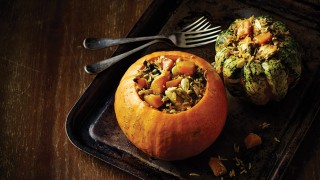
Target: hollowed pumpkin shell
[{"x": 171, "y": 136}]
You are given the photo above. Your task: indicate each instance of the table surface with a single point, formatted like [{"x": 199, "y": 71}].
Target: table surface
[{"x": 42, "y": 77}]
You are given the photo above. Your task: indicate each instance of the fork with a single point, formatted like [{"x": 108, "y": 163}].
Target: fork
[
  {"x": 190, "y": 36},
  {"x": 201, "y": 34}
]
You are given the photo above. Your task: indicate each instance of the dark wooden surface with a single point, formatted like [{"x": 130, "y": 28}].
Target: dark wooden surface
[{"x": 42, "y": 77}]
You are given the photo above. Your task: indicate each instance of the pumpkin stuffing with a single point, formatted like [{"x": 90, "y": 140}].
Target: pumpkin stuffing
[{"x": 171, "y": 105}]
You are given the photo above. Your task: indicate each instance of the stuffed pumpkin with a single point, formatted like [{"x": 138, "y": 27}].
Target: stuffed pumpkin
[
  {"x": 171, "y": 105},
  {"x": 258, "y": 59}
]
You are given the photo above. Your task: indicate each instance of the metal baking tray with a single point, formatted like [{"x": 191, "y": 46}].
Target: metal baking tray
[{"x": 92, "y": 127}]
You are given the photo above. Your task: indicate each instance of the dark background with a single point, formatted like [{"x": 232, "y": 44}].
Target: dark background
[{"x": 42, "y": 76}]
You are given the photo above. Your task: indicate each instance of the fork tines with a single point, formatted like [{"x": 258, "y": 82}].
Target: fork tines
[
  {"x": 200, "y": 33},
  {"x": 202, "y": 37},
  {"x": 199, "y": 24}
]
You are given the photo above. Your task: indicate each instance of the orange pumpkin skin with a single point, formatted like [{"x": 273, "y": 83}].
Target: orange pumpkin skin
[{"x": 171, "y": 136}]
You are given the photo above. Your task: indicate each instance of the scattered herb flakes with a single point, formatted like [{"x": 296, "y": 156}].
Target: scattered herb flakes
[
  {"x": 236, "y": 148},
  {"x": 194, "y": 174},
  {"x": 241, "y": 167},
  {"x": 222, "y": 158},
  {"x": 239, "y": 162},
  {"x": 232, "y": 173},
  {"x": 243, "y": 171},
  {"x": 264, "y": 125},
  {"x": 276, "y": 139}
]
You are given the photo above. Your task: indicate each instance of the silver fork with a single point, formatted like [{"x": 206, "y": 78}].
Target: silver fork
[
  {"x": 207, "y": 35},
  {"x": 193, "y": 36}
]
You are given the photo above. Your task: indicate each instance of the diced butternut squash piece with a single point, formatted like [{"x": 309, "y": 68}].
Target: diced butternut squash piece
[
  {"x": 167, "y": 64},
  {"x": 263, "y": 38},
  {"x": 252, "y": 140},
  {"x": 142, "y": 83},
  {"x": 217, "y": 167},
  {"x": 174, "y": 82},
  {"x": 244, "y": 28},
  {"x": 184, "y": 67},
  {"x": 153, "y": 100},
  {"x": 158, "y": 85}
]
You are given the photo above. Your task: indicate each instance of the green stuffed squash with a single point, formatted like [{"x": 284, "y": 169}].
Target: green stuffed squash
[{"x": 258, "y": 59}]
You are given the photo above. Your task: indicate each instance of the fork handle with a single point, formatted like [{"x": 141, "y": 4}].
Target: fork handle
[
  {"x": 99, "y": 43},
  {"x": 98, "y": 67}
]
